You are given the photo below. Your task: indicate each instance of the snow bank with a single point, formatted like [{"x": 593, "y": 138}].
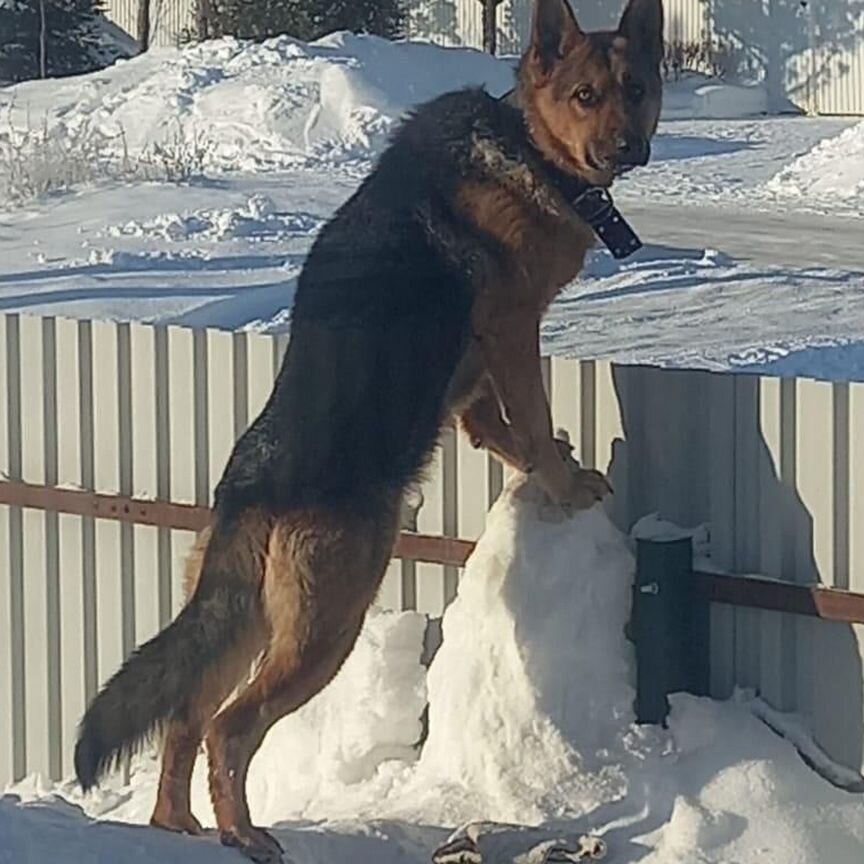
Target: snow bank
[
  {"x": 249, "y": 106},
  {"x": 231, "y": 105},
  {"x": 699, "y": 97},
  {"x": 834, "y": 168}
]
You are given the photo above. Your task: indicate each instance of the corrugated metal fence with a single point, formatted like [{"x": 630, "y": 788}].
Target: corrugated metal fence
[
  {"x": 169, "y": 19},
  {"x": 809, "y": 52},
  {"x": 152, "y": 412}
]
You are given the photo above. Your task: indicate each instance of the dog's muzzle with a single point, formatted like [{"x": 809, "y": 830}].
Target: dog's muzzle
[{"x": 633, "y": 152}]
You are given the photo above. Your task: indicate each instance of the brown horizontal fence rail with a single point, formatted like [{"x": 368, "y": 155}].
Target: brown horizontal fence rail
[
  {"x": 448, "y": 551},
  {"x": 829, "y": 604}
]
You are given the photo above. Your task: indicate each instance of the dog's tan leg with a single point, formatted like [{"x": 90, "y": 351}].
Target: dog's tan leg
[
  {"x": 182, "y": 738},
  {"x": 173, "y": 810},
  {"x": 485, "y": 427},
  {"x": 322, "y": 573},
  {"x": 511, "y": 348},
  {"x": 285, "y": 682}
]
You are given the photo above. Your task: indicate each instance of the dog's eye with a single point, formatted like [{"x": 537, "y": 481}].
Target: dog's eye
[{"x": 585, "y": 94}]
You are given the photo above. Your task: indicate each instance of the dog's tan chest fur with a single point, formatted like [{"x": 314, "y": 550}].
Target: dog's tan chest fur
[{"x": 544, "y": 250}]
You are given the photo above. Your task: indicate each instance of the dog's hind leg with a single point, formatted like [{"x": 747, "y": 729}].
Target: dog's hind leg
[
  {"x": 283, "y": 685},
  {"x": 322, "y": 573},
  {"x": 173, "y": 810},
  {"x": 183, "y": 735}
]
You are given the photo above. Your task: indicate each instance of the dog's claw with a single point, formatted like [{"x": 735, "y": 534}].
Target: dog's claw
[
  {"x": 255, "y": 843},
  {"x": 179, "y": 823}
]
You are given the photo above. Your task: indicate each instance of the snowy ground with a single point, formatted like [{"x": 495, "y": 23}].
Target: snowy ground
[
  {"x": 285, "y": 131},
  {"x": 530, "y": 723}
]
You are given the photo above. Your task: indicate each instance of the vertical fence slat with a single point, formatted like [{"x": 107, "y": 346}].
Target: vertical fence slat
[
  {"x": 814, "y": 476},
  {"x": 52, "y": 550},
  {"x": 69, "y": 529},
  {"x": 567, "y": 400},
  {"x": 608, "y": 419},
  {"x": 429, "y": 578},
  {"x": 472, "y": 489},
  {"x": 110, "y": 613},
  {"x": 145, "y": 478},
  {"x": 260, "y": 372},
  {"x": 450, "y": 506},
  {"x": 162, "y": 402},
  {"x": 588, "y": 414},
  {"x": 814, "y": 533},
  {"x": 182, "y": 432},
  {"x": 36, "y": 634},
  {"x": 220, "y": 405},
  {"x": 7, "y": 740},
  {"x": 841, "y": 477},
  {"x": 722, "y": 440},
  {"x": 770, "y": 538},
  {"x": 856, "y": 488},
  {"x": 87, "y": 420},
  {"x": 609, "y": 437},
  {"x": 126, "y": 435},
  {"x": 240, "y": 379}
]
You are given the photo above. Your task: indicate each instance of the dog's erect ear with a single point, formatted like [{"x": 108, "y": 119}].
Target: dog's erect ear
[
  {"x": 642, "y": 25},
  {"x": 555, "y": 33}
]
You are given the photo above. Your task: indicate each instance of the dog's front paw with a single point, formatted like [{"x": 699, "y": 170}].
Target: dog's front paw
[{"x": 587, "y": 487}]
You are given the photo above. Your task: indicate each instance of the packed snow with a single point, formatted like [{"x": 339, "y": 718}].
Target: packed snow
[
  {"x": 530, "y": 723},
  {"x": 753, "y": 258},
  {"x": 267, "y": 106},
  {"x": 833, "y": 169}
]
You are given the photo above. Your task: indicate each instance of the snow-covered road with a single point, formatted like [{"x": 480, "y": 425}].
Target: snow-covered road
[{"x": 760, "y": 237}]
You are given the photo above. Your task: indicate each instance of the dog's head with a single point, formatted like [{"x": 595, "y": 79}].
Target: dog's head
[{"x": 592, "y": 100}]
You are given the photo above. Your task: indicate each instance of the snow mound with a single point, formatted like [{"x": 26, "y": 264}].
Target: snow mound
[
  {"x": 236, "y": 105},
  {"x": 533, "y": 594},
  {"x": 699, "y": 97},
  {"x": 833, "y": 168}
]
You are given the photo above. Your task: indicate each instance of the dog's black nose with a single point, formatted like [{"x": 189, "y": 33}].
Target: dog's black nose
[{"x": 633, "y": 151}]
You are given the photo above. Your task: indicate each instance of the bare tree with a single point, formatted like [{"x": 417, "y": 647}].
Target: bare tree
[
  {"x": 490, "y": 25},
  {"x": 143, "y": 25},
  {"x": 43, "y": 41}
]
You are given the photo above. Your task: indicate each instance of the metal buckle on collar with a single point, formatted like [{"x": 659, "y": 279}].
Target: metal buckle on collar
[{"x": 601, "y": 201}]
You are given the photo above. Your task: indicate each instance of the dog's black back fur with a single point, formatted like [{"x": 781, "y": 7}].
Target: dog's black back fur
[{"x": 380, "y": 321}]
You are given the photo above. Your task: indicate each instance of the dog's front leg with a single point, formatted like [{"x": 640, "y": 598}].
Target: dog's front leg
[
  {"x": 511, "y": 349},
  {"x": 485, "y": 427}
]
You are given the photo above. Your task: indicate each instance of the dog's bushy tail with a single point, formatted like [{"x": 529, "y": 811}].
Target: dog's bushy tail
[{"x": 160, "y": 680}]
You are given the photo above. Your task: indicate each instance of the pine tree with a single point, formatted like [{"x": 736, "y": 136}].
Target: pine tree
[
  {"x": 72, "y": 38},
  {"x": 303, "y": 19}
]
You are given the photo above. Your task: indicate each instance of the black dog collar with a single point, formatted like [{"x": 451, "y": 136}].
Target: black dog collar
[{"x": 594, "y": 205}]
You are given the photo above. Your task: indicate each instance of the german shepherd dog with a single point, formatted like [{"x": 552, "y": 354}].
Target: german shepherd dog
[{"x": 420, "y": 302}]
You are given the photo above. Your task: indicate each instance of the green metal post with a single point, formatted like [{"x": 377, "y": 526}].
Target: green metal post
[{"x": 669, "y": 627}]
